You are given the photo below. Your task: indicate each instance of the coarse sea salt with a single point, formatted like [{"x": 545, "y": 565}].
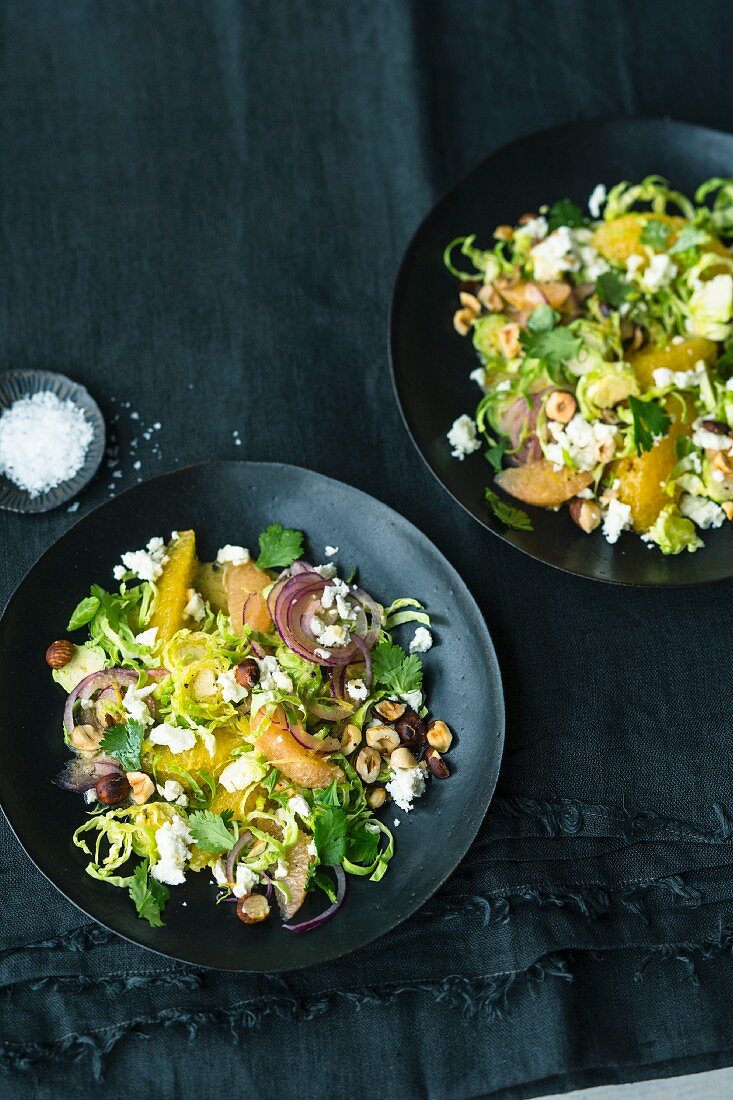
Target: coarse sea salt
[{"x": 43, "y": 442}]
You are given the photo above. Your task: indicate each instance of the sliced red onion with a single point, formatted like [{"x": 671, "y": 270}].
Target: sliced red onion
[
  {"x": 82, "y": 774},
  {"x": 307, "y": 741},
  {"x": 258, "y": 650},
  {"x": 243, "y": 838},
  {"x": 268, "y": 887},
  {"x": 314, "y": 922},
  {"x": 95, "y": 681},
  {"x": 293, "y": 607}
]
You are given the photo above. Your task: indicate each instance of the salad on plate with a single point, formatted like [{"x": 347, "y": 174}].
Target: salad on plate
[
  {"x": 243, "y": 717},
  {"x": 605, "y": 347}
]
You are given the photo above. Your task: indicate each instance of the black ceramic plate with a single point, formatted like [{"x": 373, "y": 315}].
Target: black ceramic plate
[
  {"x": 15, "y": 384},
  {"x": 232, "y": 502},
  {"x": 431, "y": 364}
]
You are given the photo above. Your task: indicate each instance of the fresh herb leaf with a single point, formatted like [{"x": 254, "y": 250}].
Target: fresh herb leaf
[
  {"x": 323, "y": 882},
  {"x": 612, "y": 289},
  {"x": 329, "y": 835},
  {"x": 683, "y": 447},
  {"x": 148, "y": 895},
  {"x": 210, "y": 831},
  {"x": 362, "y": 845},
  {"x": 656, "y": 234},
  {"x": 495, "y": 452},
  {"x": 123, "y": 741},
  {"x": 650, "y": 422},
  {"x": 554, "y": 347},
  {"x": 564, "y": 212},
  {"x": 279, "y": 547},
  {"x": 690, "y": 237},
  {"x": 507, "y": 514},
  {"x": 328, "y": 796},
  {"x": 83, "y": 613},
  {"x": 270, "y": 780},
  {"x": 393, "y": 669},
  {"x": 542, "y": 319},
  {"x": 724, "y": 366}
]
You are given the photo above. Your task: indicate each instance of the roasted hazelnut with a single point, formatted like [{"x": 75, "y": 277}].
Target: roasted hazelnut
[
  {"x": 247, "y": 674},
  {"x": 253, "y": 908},
  {"x": 439, "y": 736},
  {"x": 112, "y": 789},
  {"x": 715, "y": 426},
  {"x": 462, "y": 321},
  {"x": 368, "y": 763},
  {"x": 490, "y": 298},
  {"x": 390, "y": 710},
  {"x": 586, "y": 513},
  {"x": 60, "y": 653},
  {"x": 403, "y": 759},
  {"x": 141, "y": 787},
  {"x": 436, "y": 763},
  {"x": 376, "y": 797},
  {"x": 85, "y": 738},
  {"x": 527, "y": 218},
  {"x": 508, "y": 338},
  {"x": 382, "y": 738},
  {"x": 561, "y": 406},
  {"x": 470, "y": 301},
  {"x": 411, "y": 729},
  {"x": 503, "y": 233},
  {"x": 350, "y": 738},
  {"x": 719, "y": 460}
]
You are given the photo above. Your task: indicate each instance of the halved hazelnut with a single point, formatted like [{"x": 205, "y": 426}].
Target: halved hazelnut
[
  {"x": 561, "y": 406},
  {"x": 85, "y": 738},
  {"x": 721, "y": 461},
  {"x": 403, "y": 759},
  {"x": 439, "y": 736},
  {"x": 141, "y": 787},
  {"x": 436, "y": 764},
  {"x": 382, "y": 738},
  {"x": 411, "y": 729},
  {"x": 586, "y": 513},
  {"x": 508, "y": 338},
  {"x": 112, "y": 789},
  {"x": 368, "y": 763},
  {"x": 253, "y": 908},
  {"x": 727, "y": 507},
  {"x": 350, "y": 738},
  {"x": 490, "y": 298},
  {"x": 390, "y": 709},
  {"x": 462, "y": 321},
  {"x": 376, "y": 797},
  {"x": 503, "y": 232},
  {"x": 470, "y": 301}
]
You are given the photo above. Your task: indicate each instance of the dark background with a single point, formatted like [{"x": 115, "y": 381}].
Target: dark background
[{"x": 202, "y": 207}]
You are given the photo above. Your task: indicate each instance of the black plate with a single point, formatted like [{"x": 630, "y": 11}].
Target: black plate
[
  {"x": 232, "y": 502},
  {"x": 431, "y": 364},
  {"x": 15, "y": 384}
]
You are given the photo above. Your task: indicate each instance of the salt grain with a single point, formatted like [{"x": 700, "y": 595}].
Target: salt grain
[{"x": 43, "y": 442}]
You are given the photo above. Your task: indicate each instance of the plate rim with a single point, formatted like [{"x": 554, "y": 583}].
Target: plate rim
[
  {"x": 494, "y": 676},
  {"x": 598, "y": 120}
]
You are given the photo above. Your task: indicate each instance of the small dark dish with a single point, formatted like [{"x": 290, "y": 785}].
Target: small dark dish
[
  {"x": 431, "y": 365},
  {"x": 230, "y": 501},
  {"x": 15, "y": 384}
]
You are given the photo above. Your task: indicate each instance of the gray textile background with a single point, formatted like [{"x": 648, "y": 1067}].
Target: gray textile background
[{"x": 202, "y": 206}]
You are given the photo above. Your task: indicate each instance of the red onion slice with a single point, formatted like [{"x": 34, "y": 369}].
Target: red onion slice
[
  {"x": 80, "y": 775},
  {"x": 292, "y": 610},
  {"x": 314, "y": 922},
  {"x": 243, "y": 838},
  {"x": 100, "y": 681},
  {"x": 307, "y": 741}
]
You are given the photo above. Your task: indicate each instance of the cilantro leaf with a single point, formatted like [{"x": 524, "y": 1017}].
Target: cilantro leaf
[
  {"x": 656, "y": 234},
  {"x": 564, "y": 212},
  {"x": 393, "y": 669},
  {"x": 507, "y": 514},
  {"x": 323, "y": 882},
  {"x": 123, "y": 741},
  {"x": 650, "y": 422},
  {"x": 690, "y": 237},
  {"x": 554, "y": 347},
  {"x": 279, "y": 547},
  {"x": 612, "y": 289},
  {"x": 83, "y": 613},
  {"x": 495, "y": 452},
  {"x": 270, "y": 780},
  {"x": 210, "y": 831},
  {"x": 362, "y": 844},
  {"x": 328, "y": 796},
  {"x": 329, "y": 835},
  {"x": 542, "y": 319},
  {"x": 148, "y": 895}
]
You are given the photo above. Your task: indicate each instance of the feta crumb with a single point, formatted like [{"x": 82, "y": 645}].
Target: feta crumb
[
  {"x": 281, "y": 871},
  {"x": 327, "y": 571},
  {"x": 335, "y": 636},
  {"x": 324, "y": 654},
  {"x": 586, "y": 443},
  {"x": 176, "y": 739},
  {"x": 533, "y": 230},
  {"x": 682, "y": 379},
  {"x": 406, "y": 785},
  {"x": 553, "y": 256},
  {"x": 422, "y": 641},
  {"x": 396, "y": 823},
  {"x": 703, "y": 513},
  {"x": 172, "y": 840},
  {"x": 146, "y": 564},
  {"x": 597, "y": 199},
  {"x": 479, "y": 377},
  {"x": 413, "y": 699},
  {"x": 634, "y": 262},
  {"x": 195, "y": 608},
  {"x": 701, "y": 437},
  {"x": 298, "y": 805},
  {"x": 272, "y": 676},
  {"x": 218, "y": 870},
  {"x": 240, "y": 773},
  {"x": 170, "y": 790},
  {"x": 231, "y": 691},
  {"x": 135, "y": 705},
  {"x": 245, "y": 880},
  {"x": 660, "y": 271},
  {"x": 232, "y": 555},
  {"x": 616, "y": 519},
  {"x": 147, "y": 638},
  {"x": 585, "y": 494},
  {"x": 357, "y": 690},
  {"x": 463, "y": 438},
  {"x": 331, "y": 551}
]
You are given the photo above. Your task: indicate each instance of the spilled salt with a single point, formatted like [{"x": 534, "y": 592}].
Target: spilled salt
[{"x": 43, "y": 442}]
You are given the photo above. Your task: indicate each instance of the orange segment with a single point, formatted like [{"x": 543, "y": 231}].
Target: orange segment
[
  {"x": 539, "y": 483},
  {"x": 195, "y": 759},
  {"x": 241, "y": 582},
  {"x": 643, "y": 476},
  {"x": 677, "y": 357},
  {"x": 309, "y": 769},
  {"x": 296, "y": 878},
  {"x": 618, "y": 239},
  {"x": 177, "y": 578}
]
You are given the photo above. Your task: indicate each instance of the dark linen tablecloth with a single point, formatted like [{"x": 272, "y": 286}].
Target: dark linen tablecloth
[{"x": 202, "y": 206}]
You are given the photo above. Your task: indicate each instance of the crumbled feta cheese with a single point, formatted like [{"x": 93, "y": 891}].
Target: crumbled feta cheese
[
  {"x": 195, "y": 608},
  {"x": 533, "y": 230},
  {"x": 634, "y": 262},
  {"x": 170, "y": 790},
  {"x": 147, "y": 638},
  {"x": 118, "y": 572},
  {"x": 298, "y": 805},
  {"x": 218, "y": 870},
  {"x": 406, "y": 785},
  {"x": 703, "y": 513},
  {"x": 281, "y": 871},
  {"x": 585, "y": 494},
  {"x": 231, "y": 691},
  {"x": 324, "y": 654},
  {"x": 463, "y": 438},
  {"x": 553, "y": 256},
  {"x": 584, "y": 442},
  {"x": 90, "y": 796},
  {"x": 659, "y": 272},
  {"x": 708, "y": 440},
  {"x": 134, "y": 704},
  {"x": 597, "y": 199},
  {"x": 718, "y": 475},
  {"x": 617, "y": 518},
  {"x": 588, "y": 255},
  {"x": 146, "y": 564},
  {"x": 372, "y": 827},
  {"x": 396, "y": 823},
  {"x": 413, "y": 699},
  {"x": 175, "y": 738},
  {"x": 335, "y": 636},
  {"x": 331, "y": 551},
  {"x": 327, "y": 571},
  {"x": 479, "y": 377},
  {"x": 245, "y": 880},
  {"x": 232, "y": 555},
  {"x": 273, "y": 677},
  {"x": 241, "y": 773},
  {"x": 172, "y": 840},
  {"x": 682, "y": 379},
  {"x": 422, "y": 641},
  {"x": 357, "y": 690},
  {"x": 312, "y": 849}
]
